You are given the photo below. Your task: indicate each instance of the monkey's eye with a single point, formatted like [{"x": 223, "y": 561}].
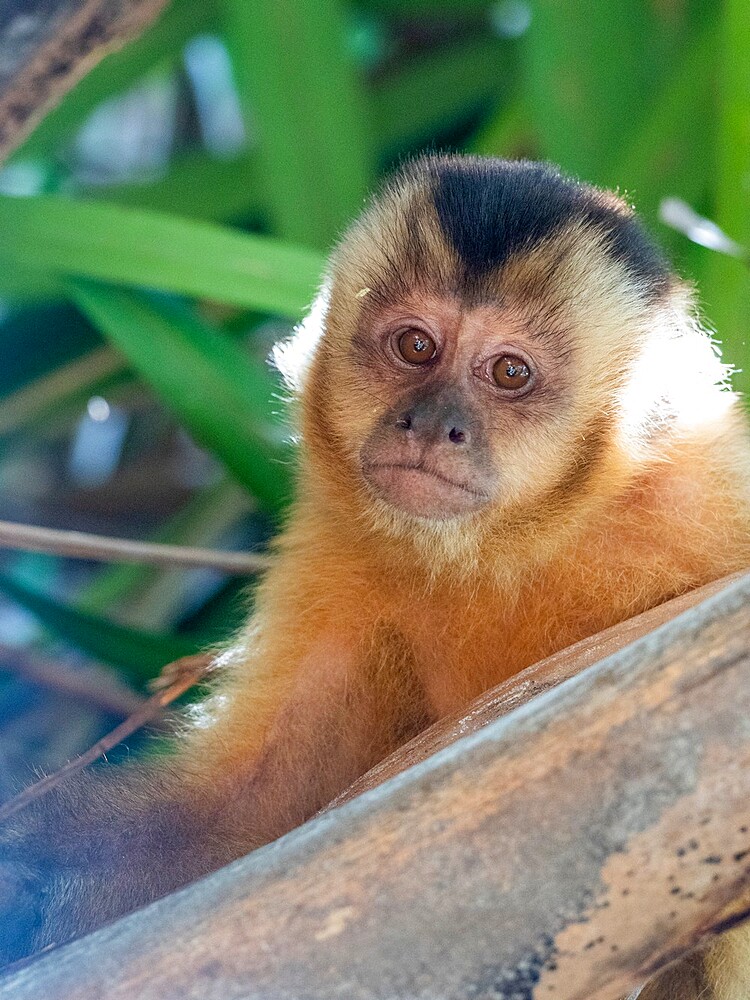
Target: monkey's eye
[
  {"x": 416, "y": 347},
  {"x": 511, "y": 372}
]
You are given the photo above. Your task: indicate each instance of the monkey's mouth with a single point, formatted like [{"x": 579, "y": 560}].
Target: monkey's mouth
[{"x": 423, "y": 491}]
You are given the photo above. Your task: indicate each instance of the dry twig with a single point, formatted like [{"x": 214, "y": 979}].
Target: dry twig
[
  {"x": 82, "y": 545},
  {"x": 183, "y": 674},
  {"x": 91, "y": 683}
]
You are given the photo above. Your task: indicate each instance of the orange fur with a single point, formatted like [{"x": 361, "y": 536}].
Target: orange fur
[
  {"x": 664, "y": 507},
  {"x": 622, "y": 481}
]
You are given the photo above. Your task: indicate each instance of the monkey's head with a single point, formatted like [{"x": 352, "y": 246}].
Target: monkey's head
[{"x": 493, "y": 339}]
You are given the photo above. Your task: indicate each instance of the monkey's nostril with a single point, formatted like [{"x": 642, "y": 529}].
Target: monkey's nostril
[
  {"x": 456, "y": 436},
  {"x": 404, "y": 422}
]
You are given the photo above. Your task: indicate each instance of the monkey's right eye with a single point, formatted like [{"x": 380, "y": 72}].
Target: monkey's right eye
[{"x": 416, "y": 347}]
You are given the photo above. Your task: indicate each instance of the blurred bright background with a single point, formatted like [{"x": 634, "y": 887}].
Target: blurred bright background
[{"x": 168, "y": 221}]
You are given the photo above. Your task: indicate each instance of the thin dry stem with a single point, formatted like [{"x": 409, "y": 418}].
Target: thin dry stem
[
  {"x": 82, "y": 545},
  {"x": 90, "y": 683},
  {"x": 184, "y": 673}
]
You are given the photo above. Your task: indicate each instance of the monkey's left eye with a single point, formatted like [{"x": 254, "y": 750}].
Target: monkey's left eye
[
  {"x": 416, "y": 347},
  {"x": 510, "y": 372}
]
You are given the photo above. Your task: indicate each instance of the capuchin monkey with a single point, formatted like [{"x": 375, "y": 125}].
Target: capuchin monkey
[{"x": 514, "y": 434}]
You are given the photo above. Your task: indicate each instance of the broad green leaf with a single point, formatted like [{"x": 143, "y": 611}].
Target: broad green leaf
[
  {"x": 586, "y": 74},
  {"x": 154, "y": 250},
  {"x": 140, "y": 654},
  {"x": 666, "y": 149},
  {"x": 428, "y": 94},
  {"x": 20, "y": 285},
  {"x": 671, "y": 152},
  {"x": 222, "y": 396},
  {"x": 301, "y": 95},
  {"x": 197, "y": 186}
]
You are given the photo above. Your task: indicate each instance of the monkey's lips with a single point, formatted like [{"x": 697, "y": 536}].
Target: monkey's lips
[{"x": 422, "y": 491}]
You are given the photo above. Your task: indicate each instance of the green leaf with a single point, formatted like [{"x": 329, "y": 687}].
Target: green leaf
[
  {"x": 140, "y": 654},
  {"x": 505, "y": 132},
  {"x": 430, "y": 92},
  {"x": 19, "y": 284},
  {"x": 217, "y": 391},
  {"x": 50, "y": 234},
  {"x": 668, "y": 154},
  {"x": 586, "y": 71},
  {"x": 197, "y": 186},
  {"x": 302, "y": 98}
]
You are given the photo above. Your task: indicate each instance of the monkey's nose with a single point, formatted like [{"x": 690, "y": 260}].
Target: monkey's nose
[{"x": 435, "y": 427}]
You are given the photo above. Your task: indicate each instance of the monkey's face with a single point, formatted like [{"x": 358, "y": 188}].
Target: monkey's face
[
  {"x": 451, "y": 375},
  {"x": 482, "y": 324},
  {"x": 469, "y": 406}
]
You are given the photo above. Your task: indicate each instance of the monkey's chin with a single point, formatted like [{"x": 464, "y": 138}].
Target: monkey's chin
[{"x": 424, "y": 493}]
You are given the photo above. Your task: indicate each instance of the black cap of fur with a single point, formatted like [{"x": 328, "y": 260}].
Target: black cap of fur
[{"x": 489, "y": 209}]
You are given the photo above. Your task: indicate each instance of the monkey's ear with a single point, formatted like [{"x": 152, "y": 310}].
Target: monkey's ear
[{"x": 292, "y": 357}]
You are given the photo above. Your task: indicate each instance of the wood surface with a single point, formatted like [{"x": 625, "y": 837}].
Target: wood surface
[{"x": 567, "y": 849}]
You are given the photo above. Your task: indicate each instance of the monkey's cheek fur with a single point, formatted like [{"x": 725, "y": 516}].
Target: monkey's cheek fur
[{"x": 422, "y": 492}]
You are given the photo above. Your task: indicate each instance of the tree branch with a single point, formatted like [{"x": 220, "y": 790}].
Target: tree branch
[{"x": 47, "y": 45}]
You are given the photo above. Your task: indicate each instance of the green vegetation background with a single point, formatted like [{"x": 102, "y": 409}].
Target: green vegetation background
[{"x": 165, "y": 287}]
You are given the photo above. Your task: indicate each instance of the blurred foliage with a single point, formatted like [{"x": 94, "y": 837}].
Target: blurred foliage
[{"x": 171, "y": 218}]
